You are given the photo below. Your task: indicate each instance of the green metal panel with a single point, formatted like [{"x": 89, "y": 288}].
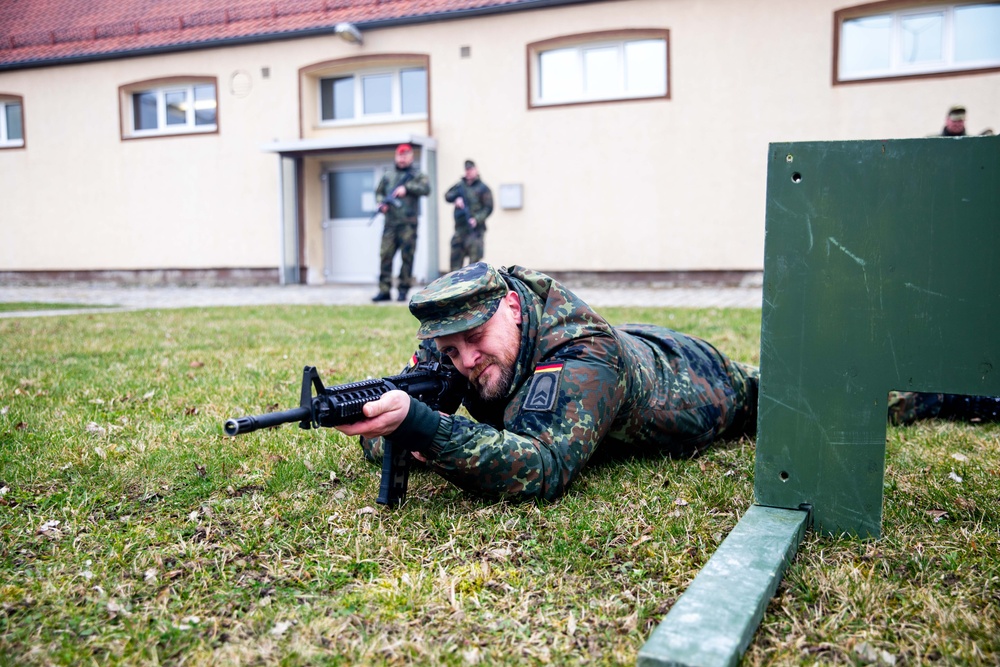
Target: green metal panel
[
  {"x": 880, "y": 272},
  {"x": 712, "y": 624}
]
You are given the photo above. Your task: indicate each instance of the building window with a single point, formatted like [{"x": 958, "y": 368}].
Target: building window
[
  {"x": 374, "y": 95},
  {"x": 171, "y": 108},
  {"x": 601, "y": 67},
  {"x": 916, "y": 40},
  {"x": 11, "y": 123}
]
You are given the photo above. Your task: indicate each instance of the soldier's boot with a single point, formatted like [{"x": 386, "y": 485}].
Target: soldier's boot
[
  {"x": 745, "y": 419},
  {"x": 381, "y": 296},
  {"x": 971, "y": 408},
  {"x": 402, "y": 294}
]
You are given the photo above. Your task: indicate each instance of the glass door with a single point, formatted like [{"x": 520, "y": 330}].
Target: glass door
[{"x": 351, "y": 232}]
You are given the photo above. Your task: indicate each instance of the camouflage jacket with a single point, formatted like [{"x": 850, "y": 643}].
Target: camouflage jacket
[
  {"x": 478, "y": 202},
  {"x": 417, "y": 186},
  {"x": 580, "y": 383}
]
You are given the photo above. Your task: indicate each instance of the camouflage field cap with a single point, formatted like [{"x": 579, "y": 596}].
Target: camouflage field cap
[{"x": 458, "y": 301}]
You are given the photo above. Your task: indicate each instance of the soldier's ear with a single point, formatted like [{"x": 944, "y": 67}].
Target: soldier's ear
[{"x": 513, "y": 302}]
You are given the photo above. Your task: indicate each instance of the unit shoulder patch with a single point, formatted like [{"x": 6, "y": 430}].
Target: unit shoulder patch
[{"x": 544, "y": 388}]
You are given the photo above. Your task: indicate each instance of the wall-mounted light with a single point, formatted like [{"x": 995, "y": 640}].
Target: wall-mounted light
[
  {"x": 348, "y": 32},
  {"x": 511, "y": 196}
]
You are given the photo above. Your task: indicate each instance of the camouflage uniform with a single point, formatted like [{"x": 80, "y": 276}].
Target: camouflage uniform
[
  {"x": 469, "y": 241},
  {"x": 400, "y": 229},
  {"x": 579, "y": 383}
]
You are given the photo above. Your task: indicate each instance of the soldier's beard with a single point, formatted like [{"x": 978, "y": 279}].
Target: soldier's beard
[
  {"x": 500, "y": 361},
  {"x": 498, "y": 384},
  {"x": 501, "y": 376}
]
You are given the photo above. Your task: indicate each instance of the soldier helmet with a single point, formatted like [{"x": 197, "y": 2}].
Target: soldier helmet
[{"x": 458, "y": 301}]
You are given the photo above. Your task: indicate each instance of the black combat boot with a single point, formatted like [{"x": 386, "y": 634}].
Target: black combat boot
[
  {"x": 402, "y": 295},
  {"x": 970, "y": 408},
  {"x": 381, "y": 296}
]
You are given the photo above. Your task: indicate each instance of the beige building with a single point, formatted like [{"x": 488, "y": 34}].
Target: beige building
[{"x": 236, "y": 141}]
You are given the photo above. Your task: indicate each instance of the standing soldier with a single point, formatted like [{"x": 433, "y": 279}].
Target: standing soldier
[
  {"x": 473, "y": 204},
  {"x": 398, "y": 196}
]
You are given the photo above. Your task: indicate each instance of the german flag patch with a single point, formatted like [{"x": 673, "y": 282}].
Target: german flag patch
[{"x": 544, "y": 388}]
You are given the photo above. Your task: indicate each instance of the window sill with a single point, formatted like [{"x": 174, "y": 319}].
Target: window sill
[
  {"x": 382, "y": 120},
  {"x": 929, "y": 73},
  {"x": 186, "y": 132},
  {"x": 538, "y": 104}
]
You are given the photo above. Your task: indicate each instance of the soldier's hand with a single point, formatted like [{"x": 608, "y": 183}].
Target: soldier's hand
[
  {"x": 399, "y": 192},
  {"x": 382, "y": 417},
  {"x": 459, "y": 203},
  {"x": 472, "y": 222}
]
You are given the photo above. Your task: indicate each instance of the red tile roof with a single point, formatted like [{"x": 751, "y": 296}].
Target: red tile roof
[{"x": 40, "y": 32}]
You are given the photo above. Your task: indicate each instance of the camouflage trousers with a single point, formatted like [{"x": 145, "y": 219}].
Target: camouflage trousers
[
  {"x": 401, "y": 238},
  {"x": 467, "y": 243},
  {"x": 906, "y": 407}
]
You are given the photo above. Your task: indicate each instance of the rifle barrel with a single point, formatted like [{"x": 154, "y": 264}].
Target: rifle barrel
[{"x": 252, "y": 423}]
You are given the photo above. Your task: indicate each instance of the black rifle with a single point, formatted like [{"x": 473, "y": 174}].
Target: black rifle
[
  {"x": 462, "y": 214},
  {"x": 438, "y": 385},
  {"x": 394, "y": 202}
]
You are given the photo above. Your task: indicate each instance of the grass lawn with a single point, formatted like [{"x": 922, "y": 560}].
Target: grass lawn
[{"x": 134, "y": 532}]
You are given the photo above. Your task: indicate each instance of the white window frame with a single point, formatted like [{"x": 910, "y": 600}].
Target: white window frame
[
  {"x": 360, "y": 117},
  {"x": 897, "y": 66},
  {"x": 5, "y": 140},
  {"x": 577, "y": 47},
  {"x": 189, "y": 126}
]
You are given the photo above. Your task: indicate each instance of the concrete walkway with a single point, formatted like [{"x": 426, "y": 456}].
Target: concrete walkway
[{"x": 111, "y": 298}]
